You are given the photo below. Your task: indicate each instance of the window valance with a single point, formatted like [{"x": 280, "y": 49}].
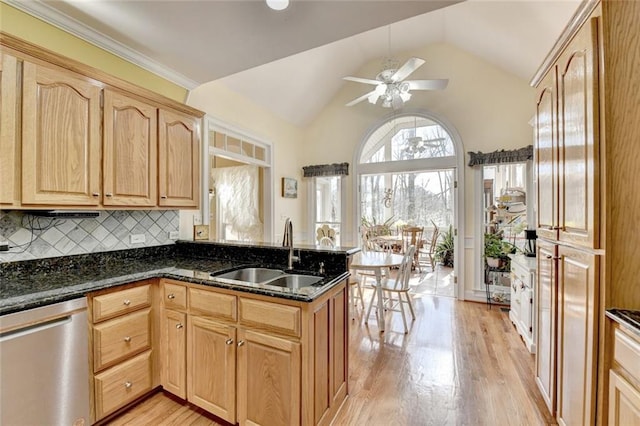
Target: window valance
[
  {"x": 501, "y": 156},
  {"x": 336, "y": 169}
]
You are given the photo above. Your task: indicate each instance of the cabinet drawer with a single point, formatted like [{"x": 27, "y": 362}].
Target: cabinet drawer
[
  {"x": 210, "y": 303},
  {"x": 626, "y": 352},
  {"x": 122, "y": 384},
  {"x": 270, "y": 316},
  {"x": 119, "y": 338},
  {"x": 120, "y": 302},
  {"x": 521, "y": 273},
  {"x": 174, "y": 295}
]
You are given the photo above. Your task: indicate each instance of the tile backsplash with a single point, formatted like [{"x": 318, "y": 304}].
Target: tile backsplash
[{"x": 34, "y": 237}]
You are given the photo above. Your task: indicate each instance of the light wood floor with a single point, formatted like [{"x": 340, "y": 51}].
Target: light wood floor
[{"x": 460, "y": 364}]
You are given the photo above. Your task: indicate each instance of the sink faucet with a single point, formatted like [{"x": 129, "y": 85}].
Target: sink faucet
[{"x": 287, "y": 241}]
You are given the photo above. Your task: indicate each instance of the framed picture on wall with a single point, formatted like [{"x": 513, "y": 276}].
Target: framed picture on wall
[{"x": 289, "y": 187}]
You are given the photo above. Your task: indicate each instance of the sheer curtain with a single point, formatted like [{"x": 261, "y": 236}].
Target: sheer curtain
[{"x": 237, "y": 192}]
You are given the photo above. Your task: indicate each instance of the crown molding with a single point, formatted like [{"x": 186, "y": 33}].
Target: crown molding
[{"x": 52, "y": 16}]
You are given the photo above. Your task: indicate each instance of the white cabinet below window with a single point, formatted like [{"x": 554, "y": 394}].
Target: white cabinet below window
[{"x": 523, "y": 277}]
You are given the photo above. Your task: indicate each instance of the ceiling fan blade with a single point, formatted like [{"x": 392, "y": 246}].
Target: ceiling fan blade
[
  {"x": 362, "y": 80},
  {"x": 438, "y": 84},
  {"x": 361, "y": 98},
  {"x": 410, "y": 66}
]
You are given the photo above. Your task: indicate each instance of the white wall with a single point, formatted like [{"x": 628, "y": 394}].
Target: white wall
[{"x": 232, "y": 108}]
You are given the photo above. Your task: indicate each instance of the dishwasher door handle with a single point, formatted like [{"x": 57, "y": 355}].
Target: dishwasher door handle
[{"x": 34, "y": 328}]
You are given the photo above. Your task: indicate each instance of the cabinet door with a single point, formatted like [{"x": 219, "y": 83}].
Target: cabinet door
[
  {"x": 268, "y": 380},
  {"x": 211, "y": 367},
  {"x": 577, "y": 336},
  {"x": 546, "y": 146},
  {"x": 546, "y": 297},
  {"x": 173, "y": 353},
  {"x": 578, "y": 127},
  {"x": 130, "y": 149},
  {"x": 60, "y": 138},
  {"x": 179, "y": 164},
  {"x": 8, "y": 130},
  {"x": 624, "y": 402},
  {"x": 340, "y": 345}
]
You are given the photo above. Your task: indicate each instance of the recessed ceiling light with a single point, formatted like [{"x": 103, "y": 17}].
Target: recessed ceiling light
[{"x": 278, "y": 4}]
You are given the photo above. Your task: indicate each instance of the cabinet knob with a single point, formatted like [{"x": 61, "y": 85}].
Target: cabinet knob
[
  {"x": 126, "y": 302},
  {"x": 164, "y": 197},
  {"x": 127, "y": 339},
  {"x": 229, "y": 341},
  {"x": 96, "y": 194},
  {"x": 179, "y": 326},
  {"x": 171, "y": 296},
  {"x": 128, "y": 385},
  {"x": 241, "y": 342}
]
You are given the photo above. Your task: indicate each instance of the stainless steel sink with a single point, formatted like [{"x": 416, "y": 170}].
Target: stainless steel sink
[
  {"x": 272, "y": 277},
  {"x": 252, "y": 275},
  {"x": 294, "y": 281}
]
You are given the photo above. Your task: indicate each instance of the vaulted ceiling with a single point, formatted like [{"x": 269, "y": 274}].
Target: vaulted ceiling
[{"x": 293, "y": 61}]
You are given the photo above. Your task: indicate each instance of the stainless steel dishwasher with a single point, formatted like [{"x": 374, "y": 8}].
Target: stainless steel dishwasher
[{"x": 44, "y": 366}]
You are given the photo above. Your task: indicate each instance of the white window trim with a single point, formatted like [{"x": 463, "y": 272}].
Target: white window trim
[{"x": 213, "y": 124}]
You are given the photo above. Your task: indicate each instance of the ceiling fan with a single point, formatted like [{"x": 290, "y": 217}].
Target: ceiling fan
[{"x": 390, "y": 84}]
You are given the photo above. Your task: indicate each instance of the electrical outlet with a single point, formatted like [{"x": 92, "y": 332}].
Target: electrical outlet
[
  {"x": 174, "y": 235},
  {"x": 136, "y": 238},
  {"x": 197, "y": 220}
]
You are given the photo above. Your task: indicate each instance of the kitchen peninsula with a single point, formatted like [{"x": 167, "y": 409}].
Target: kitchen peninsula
[{"x": 244, "y": 352}]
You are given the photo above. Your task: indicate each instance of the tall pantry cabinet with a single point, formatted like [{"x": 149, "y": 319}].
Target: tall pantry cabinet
[{"x": 586, "y": 164}]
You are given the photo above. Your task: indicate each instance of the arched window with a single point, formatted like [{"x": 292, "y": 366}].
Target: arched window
[{"x": 407, "y": 174}]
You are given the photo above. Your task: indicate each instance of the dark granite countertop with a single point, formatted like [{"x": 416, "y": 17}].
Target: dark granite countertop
[
  {"x": 627, "y": 317},
  {"x": 25, "y": 285}
]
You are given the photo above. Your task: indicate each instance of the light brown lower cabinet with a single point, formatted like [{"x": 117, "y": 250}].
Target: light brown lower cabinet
[
  {"x": 624, "y": 379},
  {"x": 122, "y": 338},
  {"x": 173, "y": 358},
  {"x": 256, "y": 360},
  {"x": 211, "y": 367}
]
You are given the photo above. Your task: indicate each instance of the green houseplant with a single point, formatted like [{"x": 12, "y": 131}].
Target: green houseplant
[
  {"x": 444, "y": 249},
  {"x": 496, "y": 250}
]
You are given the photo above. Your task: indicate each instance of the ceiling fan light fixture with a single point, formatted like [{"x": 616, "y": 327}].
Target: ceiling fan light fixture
[{"x": 278, "y": 4}]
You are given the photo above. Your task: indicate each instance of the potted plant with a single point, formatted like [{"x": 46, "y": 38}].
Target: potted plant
[
  {"x": 444, "y": 249},
  {"x": 496, "y": 250}
]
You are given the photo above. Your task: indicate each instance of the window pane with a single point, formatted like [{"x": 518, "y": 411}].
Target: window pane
[
  {"x": 328, "y": 199},
  {"x": 407, "y": 138}
]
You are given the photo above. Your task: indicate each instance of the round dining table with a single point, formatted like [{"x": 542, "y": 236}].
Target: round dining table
[{"x": 376, "y": 261}]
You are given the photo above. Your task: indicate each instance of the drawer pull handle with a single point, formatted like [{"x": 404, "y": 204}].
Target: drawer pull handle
[
  {"x": 229, "y": 341},
  {"x": 179, "y": 326},
  {"x": 128, "y": 385},
  {"x": 96, "y": 194},
  {"x": 108, "y": 194},
  {"x": 163, "y": 197},
  {"x": 549, "y": 256},
  {"x": 241, "y": 342},
  {"x": 126, "y": 302},
  {"x": 127, "y": 339},
  {"x": 171, "y": 296}
]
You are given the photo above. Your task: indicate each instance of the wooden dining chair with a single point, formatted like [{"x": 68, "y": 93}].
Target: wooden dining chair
[
  {"x": 412, "y": 236},
  {"x": 429, "y": 248},
  {"x": 400, "y": 286}
]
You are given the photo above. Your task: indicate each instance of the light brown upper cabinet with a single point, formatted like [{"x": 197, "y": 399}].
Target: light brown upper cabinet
[
  {"x": 60, "y": 137},
  {"x": 178, "y": 153},
  {"x": 130, "y": 150},
  {"x": 567, "y": 144},
  {"x": 9, "y": 160}
]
